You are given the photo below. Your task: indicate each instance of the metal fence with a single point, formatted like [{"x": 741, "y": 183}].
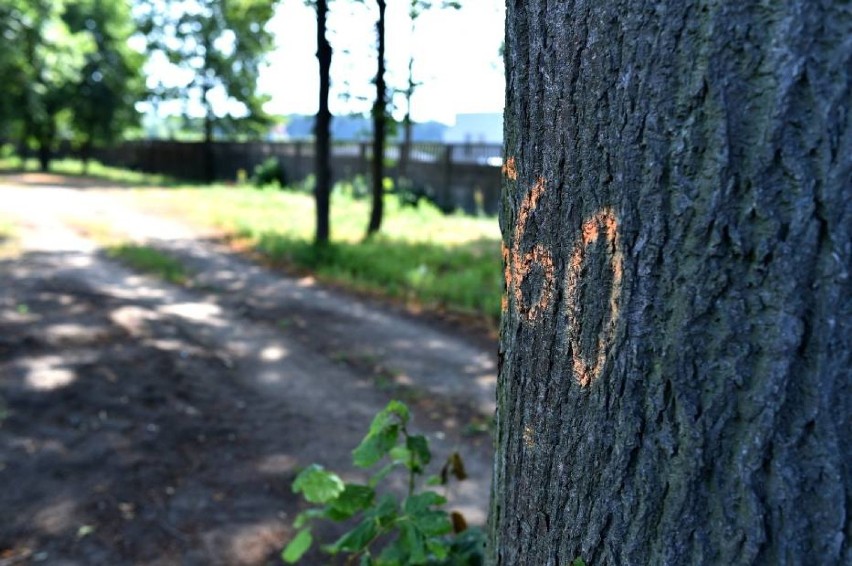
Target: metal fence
[{"x": 464, "y": 176}]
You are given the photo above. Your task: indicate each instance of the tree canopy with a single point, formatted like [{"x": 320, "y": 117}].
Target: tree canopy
[
  {"x": 216, "y": 49},
  {"x": 66, "y": 67}
]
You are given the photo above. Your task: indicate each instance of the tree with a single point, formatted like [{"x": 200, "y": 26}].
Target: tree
[
  {"x": 674, "y": 379},
  {"x": 41, "y": 64},
  {"x": 219, "y": 46},
  {"x": 415, "y": 9},
  {"x": 111, "y": 79},
  {"x": 322, "y": 191},
  {"x": 379, "y": 126}
]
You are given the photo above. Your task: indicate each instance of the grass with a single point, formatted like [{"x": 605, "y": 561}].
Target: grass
[
  {"x": 422, "y": 256},
  {"x": 150, "y": 260},
  {"x": 97, "y": 170}
]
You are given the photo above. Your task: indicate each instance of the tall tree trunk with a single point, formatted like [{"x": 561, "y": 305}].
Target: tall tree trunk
[
  {"x": 46, "y": 138},
  {"x": 675, "y": 351},
  {"x": 408, "y": 125},
  {"x": 207, "y": 147},
  {"x": 86, "y": 151},
  {"x": 379, "y": 116},
  {"x": 44, "y": 155},
  {"x": 209, "y": 171},
  {"x": 322, "y": 191}
]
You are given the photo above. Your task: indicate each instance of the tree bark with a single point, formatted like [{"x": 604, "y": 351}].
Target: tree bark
[
  {"x": 379, "y": 110},
  {"x": 46, "y": 138},
  {"x": 322, "y": 191},
  {"x": 209, "y": 166},
  {"x": 209, "y": 171},
  {"x": 674, "y": 379},
  {"x": 44, "y": 156}
]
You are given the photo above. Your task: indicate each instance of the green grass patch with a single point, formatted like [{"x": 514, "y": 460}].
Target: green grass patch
[
  {"x": 96, "y": 170},
  {"x": 422, "y": 255},
  {"x": 150, "y": 260}
]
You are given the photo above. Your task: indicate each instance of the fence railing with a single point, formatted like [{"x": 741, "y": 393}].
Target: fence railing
[{"x": 465, "y": 176}]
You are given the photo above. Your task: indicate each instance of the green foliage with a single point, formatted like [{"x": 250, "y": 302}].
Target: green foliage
[
  {"x": 270, "y": 172},
  {"x": 423, "y": 257},
  {"x": 150, "y": 260},
  {"x": 219, "y": 48},
  {"x": 318, "y": 485},
  {"x": 387, "y": 531},
  {"x": 94, "y": 169},
  {"x": 111, "y": 80},
  {"x": 66, "y": 68}
]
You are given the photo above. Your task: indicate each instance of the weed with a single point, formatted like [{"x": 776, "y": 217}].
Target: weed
[
  {"x": 150, "y": 260},
  {"x": 389, "y": 532}
]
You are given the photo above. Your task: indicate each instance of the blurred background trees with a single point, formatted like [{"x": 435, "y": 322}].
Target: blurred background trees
[
  {"x": 215, "y": 49},
  {"x": 82, "y": 76}
]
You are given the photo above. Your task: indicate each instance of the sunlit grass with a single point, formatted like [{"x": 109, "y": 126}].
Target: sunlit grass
[
  {"x": 97, "y": 170},
  {"x": 150, "y": 260},
  {"x": 421, "y": 256}
]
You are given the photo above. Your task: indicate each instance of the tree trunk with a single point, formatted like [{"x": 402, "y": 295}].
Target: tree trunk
[
  {"x": 46, "y": 137},
  {"x": 207, "y": 146},
  {"x": 322, "y": 191},
  {"x": 86, "y": 152},
  {"x": 407, "y": 124},
  {"x": 379, "y": 109},
  {"x": 44, "y": 155},
  {"x": 674, "y": 379},
  {"x": 209, "y": 171}
]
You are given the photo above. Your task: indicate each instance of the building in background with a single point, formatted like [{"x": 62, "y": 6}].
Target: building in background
[{"x": 485, "y": 128}]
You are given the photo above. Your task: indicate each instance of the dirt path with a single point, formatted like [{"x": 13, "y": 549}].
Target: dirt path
[{"x": 146, "y": 423}]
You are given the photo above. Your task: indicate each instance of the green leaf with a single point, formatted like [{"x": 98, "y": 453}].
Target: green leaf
[
  {"x": 385, "y": 417},
  {"x": 377, "y": 478},
  {"x": 578, "y": 562},
  {"x": 419, "y": 448},
  {"x": 469, "y": 547},
  {"x": 375, "y": 446},
  {"x": 386, "y": 511},
  {"x": 438, "y": 547},
  {"x": 433, "y": 522},
  {"x": 355, "y": 540},
  {"x": 382, "y": 435},
  {"x": 318, "y": 485},
  {"x": 422, "y": 502},
  {"x": 401, "y": 455},
  {"x": 298, "y": 546},
  {"x": 394, "y": 553},
  {"x": 415, "y": 542},
  {"x": 354, "y": 498},
  {"x": 308, "y": 515}
]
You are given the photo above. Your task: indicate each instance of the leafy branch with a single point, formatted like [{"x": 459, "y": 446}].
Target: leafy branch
[{"x": 416, "y": 530}]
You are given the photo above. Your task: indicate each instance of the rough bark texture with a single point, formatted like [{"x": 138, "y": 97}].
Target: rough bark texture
[
  {"x": 379, "y": 118},
  {"x": 323, "y": 127},
  {"x": 675, "y": 367}
]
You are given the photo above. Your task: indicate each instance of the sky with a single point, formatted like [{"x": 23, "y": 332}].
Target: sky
[{"x": 456, "y": 57}]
